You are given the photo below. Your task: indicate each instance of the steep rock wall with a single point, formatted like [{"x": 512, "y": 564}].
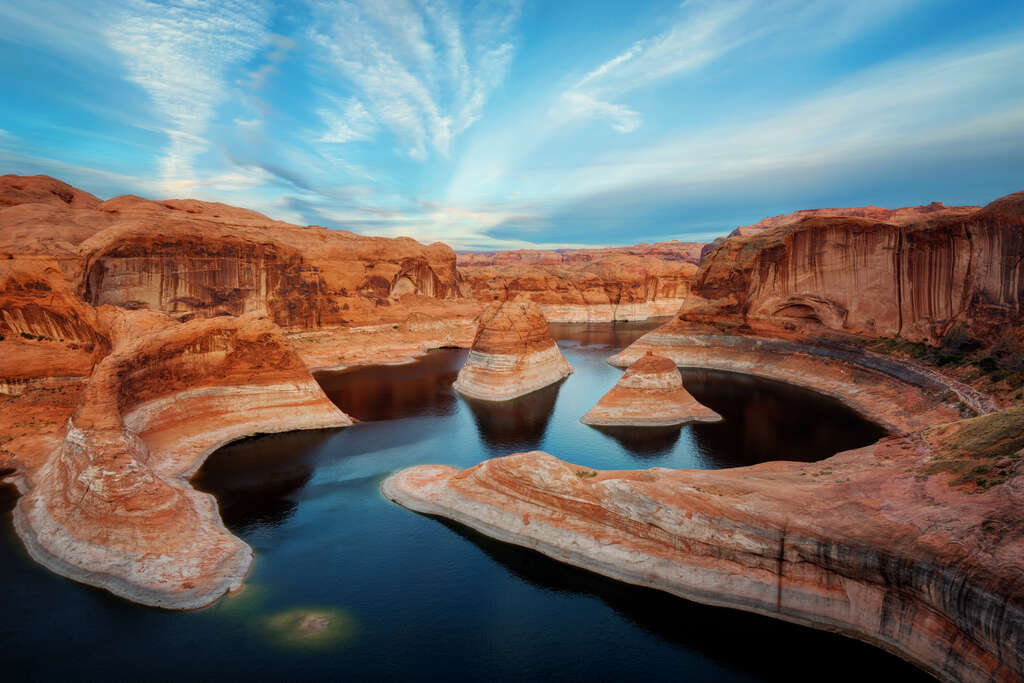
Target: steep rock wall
[{"x": 870, "y": 278}]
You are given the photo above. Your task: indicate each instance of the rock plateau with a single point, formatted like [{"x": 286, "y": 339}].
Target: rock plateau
[{"x": 650, "y": 394}]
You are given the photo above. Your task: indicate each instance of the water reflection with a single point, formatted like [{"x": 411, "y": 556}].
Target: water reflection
[
  {"x": 391, "y": 392},
  {"x": 714, "y": 632},
  {"x": 767, "y": 420},
  {"x": 644, "y": 442},
  {"x": 615, "y": 335},
  {"x": 516, "y": 425}
]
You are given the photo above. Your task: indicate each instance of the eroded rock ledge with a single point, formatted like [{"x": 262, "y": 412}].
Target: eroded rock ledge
[
  {"x": 873, "y": 543},
  {"x": 113, "y": 507}
]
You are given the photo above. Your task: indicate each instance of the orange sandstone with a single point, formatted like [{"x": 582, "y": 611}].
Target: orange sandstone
[
  {"x": 513, "y": 354},
  {"x": 650, "y": 394}
]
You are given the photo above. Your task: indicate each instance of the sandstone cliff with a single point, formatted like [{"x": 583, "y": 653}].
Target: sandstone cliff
[
  {"x": 870, "y": 278},
  {"x": 650, "y": 394},
  {"x": 513, "y": 354},
  {"x": 586, "y": 285},
  {"x": 880, "y": 543}
]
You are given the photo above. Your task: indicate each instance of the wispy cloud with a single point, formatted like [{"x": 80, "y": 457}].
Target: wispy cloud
[
  {"x": 179, "y": 54},
  {"x": 423, "y": 70},
  {"x": 346, "y": 121},
  {"x": 704, "y": 32}
]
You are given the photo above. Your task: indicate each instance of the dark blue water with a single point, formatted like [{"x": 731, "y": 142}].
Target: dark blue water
[{"x": 415, "y": 598}]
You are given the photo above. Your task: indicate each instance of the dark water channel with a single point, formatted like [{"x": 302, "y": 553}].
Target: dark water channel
[{"x": 422, "y": 599}]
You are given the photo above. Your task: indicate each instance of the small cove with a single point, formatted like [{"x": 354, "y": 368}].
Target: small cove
[{"x": 425, "y": 599}]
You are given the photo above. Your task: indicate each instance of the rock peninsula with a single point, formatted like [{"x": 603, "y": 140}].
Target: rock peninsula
[{"x": 904, "y": 544}]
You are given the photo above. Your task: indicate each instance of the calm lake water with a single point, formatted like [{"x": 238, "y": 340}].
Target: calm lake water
[{"x": 419, "y": 598}]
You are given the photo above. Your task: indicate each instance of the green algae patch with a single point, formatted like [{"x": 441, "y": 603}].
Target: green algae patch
[
  {"x": 980, "y": 452},
  {"x": 310, "y": 628}
]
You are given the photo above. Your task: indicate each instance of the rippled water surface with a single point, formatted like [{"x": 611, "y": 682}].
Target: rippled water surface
[{"x": 409, "y": 597}]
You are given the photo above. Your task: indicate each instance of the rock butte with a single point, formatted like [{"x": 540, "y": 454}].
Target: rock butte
[
  {"x": 513, "y": 354},
  {"x": 139, "y": 336},
  {"x": 650, "y": 394}
]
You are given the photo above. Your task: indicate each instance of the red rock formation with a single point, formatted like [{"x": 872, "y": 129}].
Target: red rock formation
[
  {"x": 207, "y": 259},
  {"x": 650, "y": 394},
  {"x": 586, "y": 285},
  {"x": 869, "y": 278},
  {"x": 876, "y": 543},
  {"x": 513, "y": 354},
  {"x": 112, "y": 507}
]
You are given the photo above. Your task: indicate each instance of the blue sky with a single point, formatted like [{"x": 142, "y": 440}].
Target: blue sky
[{"x": 508, "y": 123}]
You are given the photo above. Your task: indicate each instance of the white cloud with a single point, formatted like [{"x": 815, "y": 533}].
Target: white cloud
[
  {"x": 179, "y": 54},
  {"x": 346, "y": 121},
  {"x": 579, "y": 105},
  {"x": 422, "y": 70}
]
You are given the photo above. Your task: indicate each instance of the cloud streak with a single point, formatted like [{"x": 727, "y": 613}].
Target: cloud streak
[
  {"x": 179, "y": 54},
  {"x": 423, "y": 70}
]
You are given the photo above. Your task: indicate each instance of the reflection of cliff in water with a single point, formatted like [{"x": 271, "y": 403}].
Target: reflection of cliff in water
[
  {"x": 644, "y": 442},
  {"x": 616, "y": 335},
  {"x": 516, "y": 425},
  {"x": 391, "y": 392},
  {"x": 255, "y": 480},
  {"x": 715, "y": 632},
  {"x": 768, "y": 420}
]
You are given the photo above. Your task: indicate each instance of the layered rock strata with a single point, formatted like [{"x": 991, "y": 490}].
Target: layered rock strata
[
  {"x": 512, "y": 355},
  {"x": 879, "y": 543},
  {"x": 586, "y": 285},
  {"x": 869, "y": 278},
  {"x": 650, "y": 394},
  {"x": 112, "y": 507}
]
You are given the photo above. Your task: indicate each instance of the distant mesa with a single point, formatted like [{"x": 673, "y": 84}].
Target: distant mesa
[
  {"x": 513, "y": 354},
  {"x": 650, "y": 394}
]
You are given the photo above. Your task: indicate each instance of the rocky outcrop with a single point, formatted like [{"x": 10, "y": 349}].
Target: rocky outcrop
[
  {"x": 112, "y": 507},
  {"x": 880, "y": 543},
  {"x": 513, "y": 354},
  {"x": 869, "y": 278},
  {"x": 586, "y": 285},
  {"x": 650, "y": 394}
]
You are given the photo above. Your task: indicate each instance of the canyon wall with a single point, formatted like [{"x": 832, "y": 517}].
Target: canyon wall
[
  {"x": 869, "y": 278},
  {"x": 586, "y": 285}
]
